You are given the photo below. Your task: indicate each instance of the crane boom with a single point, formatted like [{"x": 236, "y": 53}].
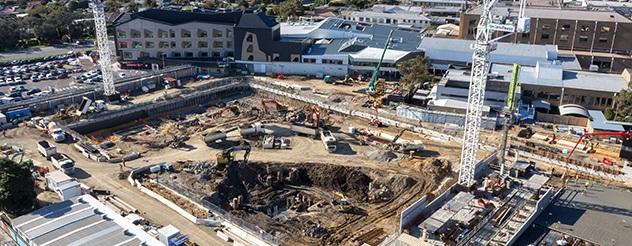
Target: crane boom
[
  {"x": 105, "y": 55},
  {"x": 376, "y": 71},
  {"x": 510, "y": 105},
  {"x": 483, "y": 46}
]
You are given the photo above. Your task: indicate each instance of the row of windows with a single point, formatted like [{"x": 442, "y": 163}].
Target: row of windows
[
  {"x": 183, "y": 33},
  {"x": 582, "y": 28},
  {"x": 175, "y": 54},
  {"x": 565, "y": 37},
  {"x": 581, "y": 100},
  {"x": 386, "y": 20},
  {"x": 172, "y": 44}
]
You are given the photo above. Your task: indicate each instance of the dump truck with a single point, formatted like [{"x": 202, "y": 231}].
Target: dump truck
[
  {"x": 329, "y": 141},
  {"x": 304, "y": 130},
  {"x": 63, "y": 163},
  {"x": 46, "y": 149}
]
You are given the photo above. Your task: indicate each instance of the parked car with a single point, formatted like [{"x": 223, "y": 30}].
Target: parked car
[{"x": 33, "y": 91}]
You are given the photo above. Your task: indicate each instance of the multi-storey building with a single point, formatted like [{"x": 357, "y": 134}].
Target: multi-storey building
[
  {"x": 600, "y": 38},
  {"x": 404, "y": 16}
]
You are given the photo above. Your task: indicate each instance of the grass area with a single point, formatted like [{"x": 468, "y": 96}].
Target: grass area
[{"x": 5, "y": 59}]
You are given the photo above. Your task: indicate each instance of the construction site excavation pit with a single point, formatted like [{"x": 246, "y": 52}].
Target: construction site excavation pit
[{"x": 303, "y": 203}]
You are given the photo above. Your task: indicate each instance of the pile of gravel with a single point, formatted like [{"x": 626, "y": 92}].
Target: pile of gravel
[{"x": 381, "y": 155}]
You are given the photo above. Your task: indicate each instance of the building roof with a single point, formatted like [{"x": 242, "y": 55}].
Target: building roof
[
  {"x": 573, "y": 110},
  {"x": 178, "y": 17},
  {"x": 556, "y": 13},
  {"x": 599, "y": 122},
  {"x": 256, "y": 20},
  {"x": 553, "y": 75},
  {"x": 80, "y": 221},
  {"x": 446, "y": 49},
  {"x": 58, "y": 176}
]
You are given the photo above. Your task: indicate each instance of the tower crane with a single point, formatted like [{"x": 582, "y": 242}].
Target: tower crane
[
  {"x": 105, "y": 55},
  {"x": 484, "y": 44}
]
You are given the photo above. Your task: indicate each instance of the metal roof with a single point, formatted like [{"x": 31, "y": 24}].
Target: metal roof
[
  {"x": 599, "y": 122},
  {"x": 553, "y": 75},
  {"x": 573, "y": 109},
  {"x": 458, "y": 50},
  {"x": 80, "y": 221},
  {"x": 557, "y": 13}
]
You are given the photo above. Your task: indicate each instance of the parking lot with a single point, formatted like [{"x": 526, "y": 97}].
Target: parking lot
[{"x": 29, "y": 80}]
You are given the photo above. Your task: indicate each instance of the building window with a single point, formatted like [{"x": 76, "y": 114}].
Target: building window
[
  {"x": 163, "y": 45},
  {"x": 249, "y": 38},
  {"x": 162, "y": 33},
  {"x": 361, "y": 19},
  {"x": 295, "y": 59},
  {"x": 122, "y": 34},
  {"x": 160, "y": 54},
  {"x": 202, "y": 34},
  {"x": 566, "y": 27},
  {"x": 185, "y": 33},
  {"x": 173, "y": 44},
  {"x": 144, "y": 54},
  {"x": 186, "y": 44},
  {"x": 149, "y": 45},
  {"x": 525, "y": 35},
  {"x": 605, "y": 29},
  {"x": 122, "y": 45},
  {"x": 127, "y": 55},
  {"x": 172, "y": 34},
  {"x": 135, "y": 34},
  {"x": 216, "y": 54},
  {"x": 148, "y": 33},
  {"x": 249, "y": 48},
  {"x": 309, "y": 60},
  {"x": 137, "y": 45},
  {"x": 388, "y": 21},
  {"x": 219, "y": 44},
  {"x": 203, "y": 54},
  {"x": 251, "y": 58},
  {"x": 564, "y": 38},
  {"x": 275, "y": 57},
  {"x": 217, "y": 33},
  {"x": 603, "y": 40},
  {"x": 585, "y": 29},
  {"x": 176, "y": 54},
  {"x": 229, "y": 33},
  {"x": 202, "y": 44},
  {"x": 544, "y": 36},
  {"x": 229, "y": 44},
  {"x": 230, "y": 54},
  {"x": 583, "y": 38},
  {"x": 609, "y": 102},
  {"x": 188, "y": 54},
  {"x": 546, "y": 26}
]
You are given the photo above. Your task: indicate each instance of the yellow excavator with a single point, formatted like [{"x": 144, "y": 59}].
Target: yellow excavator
[{"x": 227, "y": 156}]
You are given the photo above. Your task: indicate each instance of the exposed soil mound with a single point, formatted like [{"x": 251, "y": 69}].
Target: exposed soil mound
[
  {"x": 381, "y": 155},
  {"x": 348, "y": 180}
]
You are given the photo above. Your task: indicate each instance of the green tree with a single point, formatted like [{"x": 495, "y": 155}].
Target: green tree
[
  {"x": 133, "y": 7},
  {"x": 17, "y": 193},
  {"x": 414, "y": 73},
  {"x": 10, "y": 28},
  {"x": 289, "y": 8},
  {"x": 150, "y": 4},
  {"x": 622, "y": 110}
]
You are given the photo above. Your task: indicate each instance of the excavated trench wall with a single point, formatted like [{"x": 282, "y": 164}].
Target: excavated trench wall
[{"x": 221, "y": 89}]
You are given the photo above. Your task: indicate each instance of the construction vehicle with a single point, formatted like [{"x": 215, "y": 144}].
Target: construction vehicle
[
  {"x": 214, "y": 138},
  {"x": 63, "y": 163},
  {"x": 376, "y": 88},
  {"x": 329, "y": 141},
  {"x": 485, "y": 42},
  {"x": 272, "y": 142},
  {"x": 233, "y": 108},
  {"x": 56, "y": 132},
  {"x": 251, "y": 130},
  {"x": 586, "y": 135},
  {"x": 46, "y": 149},
  {"x": 279, "y": 106},
  {"x": 227, "y": 156},
  {"x": 304, "y": 130},
  {"x": 508, "y": 111}
]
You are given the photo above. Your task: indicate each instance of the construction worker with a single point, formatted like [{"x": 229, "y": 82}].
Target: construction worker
[{"x": 586, "y": 185}]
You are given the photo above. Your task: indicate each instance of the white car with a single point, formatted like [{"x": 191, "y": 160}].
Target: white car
[
  {"x": 122, "y": 75},
  {"x": 18, "y": 79}
]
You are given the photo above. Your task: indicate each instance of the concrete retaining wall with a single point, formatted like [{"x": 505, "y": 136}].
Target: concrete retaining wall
[
  {"x": 169, "y": 204},
  {"x": 425, "y": 115},
  {"x": 135, "y": 112}
]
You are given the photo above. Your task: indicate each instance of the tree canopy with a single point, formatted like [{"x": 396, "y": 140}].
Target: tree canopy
[
  {"x": 622, "y": 110},
  {"x": 17, "y": 193},
  {"x": 414, "y": 73}
]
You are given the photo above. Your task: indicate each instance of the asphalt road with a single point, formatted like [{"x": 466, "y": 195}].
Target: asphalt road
[{"x": 43, "y": 51}]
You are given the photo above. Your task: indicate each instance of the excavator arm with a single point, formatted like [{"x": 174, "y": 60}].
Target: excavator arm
[
  {"x": 608, "y": 134},
  {"x": 373, "y": 82}
]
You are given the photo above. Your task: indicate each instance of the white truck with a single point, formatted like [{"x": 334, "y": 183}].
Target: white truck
[
  {"x": 46, "y": 149},
  {"x": 304, "y": 130},
  {"x": 329, "y": 141},
  {"x": 252, "y": 130},
  {"x": 63, "y": 163},
  {"x": 56, "y": 132},
  {"x": 272, "y": 142}
]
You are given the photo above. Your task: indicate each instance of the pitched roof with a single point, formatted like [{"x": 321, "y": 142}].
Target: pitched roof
[
  {"x": 176, "y": 17},
  {"x": 256, "y": 20}
]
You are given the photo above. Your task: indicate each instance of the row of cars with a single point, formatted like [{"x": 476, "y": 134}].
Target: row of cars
[
  {"x": 69, "y": 54},
  {"x": 37, "y": 72},
  {"x": 90, "y": 77}
]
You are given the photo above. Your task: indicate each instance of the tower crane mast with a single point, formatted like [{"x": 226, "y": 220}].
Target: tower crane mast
[
  {"x": 484, "y": 44},
  {"x": 105, "y": 55}
]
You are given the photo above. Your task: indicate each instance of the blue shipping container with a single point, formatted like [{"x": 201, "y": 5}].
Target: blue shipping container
[{"x": 18, "y": 114}]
